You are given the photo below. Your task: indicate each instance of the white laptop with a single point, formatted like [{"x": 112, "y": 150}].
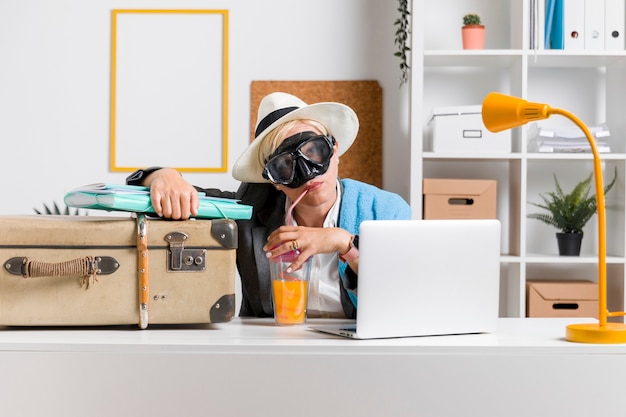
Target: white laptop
[{"x": 425, "y": 278}]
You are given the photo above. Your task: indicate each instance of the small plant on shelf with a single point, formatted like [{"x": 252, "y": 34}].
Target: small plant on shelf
[
  {"x": 471, "y": 19},
  {"x": 569, "y": 213},
  {"x": 473, "y": 32}
]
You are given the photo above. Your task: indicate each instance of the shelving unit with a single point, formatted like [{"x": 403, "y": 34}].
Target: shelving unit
[{"x": 591, "y": 85}]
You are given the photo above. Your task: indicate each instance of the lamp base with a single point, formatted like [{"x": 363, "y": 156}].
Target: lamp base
[{"x": 595, "y": 333}]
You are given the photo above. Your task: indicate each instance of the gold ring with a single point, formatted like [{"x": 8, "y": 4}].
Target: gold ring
[{"x": 294, "y": 245}]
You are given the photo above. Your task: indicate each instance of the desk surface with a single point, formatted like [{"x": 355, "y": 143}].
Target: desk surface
[
  {"x": 252, "y": 367},
  {"x": 527, "y": 335}
]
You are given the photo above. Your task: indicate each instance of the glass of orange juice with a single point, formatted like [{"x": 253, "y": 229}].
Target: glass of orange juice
[{"x": 289, "y": 289}]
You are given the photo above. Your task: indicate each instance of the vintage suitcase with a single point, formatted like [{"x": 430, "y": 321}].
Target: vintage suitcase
[{"x": 82, "y": 270}]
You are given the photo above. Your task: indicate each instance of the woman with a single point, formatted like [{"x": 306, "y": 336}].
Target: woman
[{"x": 293, "y": 158}]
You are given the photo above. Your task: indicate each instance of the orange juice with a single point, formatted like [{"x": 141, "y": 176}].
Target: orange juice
[{"x": 290, "y": 301}]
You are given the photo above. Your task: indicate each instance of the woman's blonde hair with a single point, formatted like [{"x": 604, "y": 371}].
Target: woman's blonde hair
[{"x": 275, "y": 137}]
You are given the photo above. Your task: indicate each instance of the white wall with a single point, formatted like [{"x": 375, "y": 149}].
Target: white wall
[{"x": 55, "y": 82}]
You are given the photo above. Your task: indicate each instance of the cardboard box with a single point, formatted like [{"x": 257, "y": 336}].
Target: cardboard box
[
  {"x": 461, "y": 129},
  {"x": 561, "y": 299},
  {"x": 459, "y": 199}
]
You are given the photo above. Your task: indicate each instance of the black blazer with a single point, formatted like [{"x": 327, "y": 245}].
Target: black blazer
[{"x": 253, "y": 265}]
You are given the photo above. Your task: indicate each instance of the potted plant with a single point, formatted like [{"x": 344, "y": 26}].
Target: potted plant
[
  {"x": 569, "y": 213},
  {"x": 473, "y": 32}
]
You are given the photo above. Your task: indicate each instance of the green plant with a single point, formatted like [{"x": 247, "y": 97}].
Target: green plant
[
  {"x": 55, "y": 210},
  {"x": 471, "y": 19},
  {"x": 569, "y": 212},
  {"x": 402, "y": 37}
]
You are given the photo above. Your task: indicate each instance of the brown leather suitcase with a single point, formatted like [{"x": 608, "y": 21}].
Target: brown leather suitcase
[{"x": 83, "y": 270}]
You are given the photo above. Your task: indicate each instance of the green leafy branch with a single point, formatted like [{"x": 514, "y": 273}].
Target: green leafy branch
[{"x": 402, "y": 37}]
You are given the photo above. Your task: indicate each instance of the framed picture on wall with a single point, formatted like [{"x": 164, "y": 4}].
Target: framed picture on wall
[{"x": 169, "y": 90}]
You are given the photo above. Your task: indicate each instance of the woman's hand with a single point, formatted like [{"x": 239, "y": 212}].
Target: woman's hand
[
  {"x": 309, "y": 241},
  {"x": 172, "y": 196}
]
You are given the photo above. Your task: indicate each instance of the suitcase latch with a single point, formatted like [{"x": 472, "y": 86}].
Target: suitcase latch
[{"x": 180, "y": 258}]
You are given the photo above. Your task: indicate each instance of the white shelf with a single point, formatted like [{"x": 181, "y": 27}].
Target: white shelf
[
  {"x": 575, "y": 156},
  {"x": 589, "y": 84},
  {"x": 536, "y": 58},
  {"x": 476, "y": 58},
  {"x": 583, "y": 259},
  {"x": 574, "y": 59},
  {"x": 477, "y": 157}
]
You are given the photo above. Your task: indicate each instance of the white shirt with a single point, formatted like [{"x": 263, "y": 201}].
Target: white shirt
[{"x": 324, "y": 298}]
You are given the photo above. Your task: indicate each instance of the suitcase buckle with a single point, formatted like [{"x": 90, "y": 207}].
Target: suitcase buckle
[{"x": 180, "y": 258}]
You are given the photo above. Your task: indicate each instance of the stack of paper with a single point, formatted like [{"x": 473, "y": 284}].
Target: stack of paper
[
  {"x": 132, "y": 198},
  {"x": 566, "y": 139}
]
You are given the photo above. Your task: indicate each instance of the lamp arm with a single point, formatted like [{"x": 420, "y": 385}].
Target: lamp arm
[{"x": 597, "y": 173}]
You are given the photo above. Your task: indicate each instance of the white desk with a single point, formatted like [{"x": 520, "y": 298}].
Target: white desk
[{"x": 253, "y": 368}]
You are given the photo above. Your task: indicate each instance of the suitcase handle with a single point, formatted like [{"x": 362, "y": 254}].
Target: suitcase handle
[{"x": 87, "y": 267}]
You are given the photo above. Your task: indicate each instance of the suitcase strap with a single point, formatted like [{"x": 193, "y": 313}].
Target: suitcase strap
[{"x": 142, "y": 269}]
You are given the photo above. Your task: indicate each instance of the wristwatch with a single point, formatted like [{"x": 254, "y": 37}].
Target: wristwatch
[
  {"x": 137, "y": 177},
  {"x": 353, "y": 252}
]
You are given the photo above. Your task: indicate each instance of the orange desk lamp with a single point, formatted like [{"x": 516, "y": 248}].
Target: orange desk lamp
[{"x": 501, "y": 112}]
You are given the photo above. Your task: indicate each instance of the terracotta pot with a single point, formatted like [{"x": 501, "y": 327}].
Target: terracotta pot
[
  {"x": 569, "y": 243},
  {"x": 473, "y": 36}
]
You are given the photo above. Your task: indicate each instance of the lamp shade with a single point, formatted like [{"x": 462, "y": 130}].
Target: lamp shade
[{"x": 501, "y": 112}]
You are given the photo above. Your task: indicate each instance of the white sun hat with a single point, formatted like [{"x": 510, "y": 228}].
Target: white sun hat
[{"x": 277, "y": 108}]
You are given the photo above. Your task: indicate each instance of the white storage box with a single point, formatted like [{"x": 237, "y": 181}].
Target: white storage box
[{"x": 461, "y": 129}]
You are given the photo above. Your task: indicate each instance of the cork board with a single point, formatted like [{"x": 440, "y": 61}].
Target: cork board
[{"x": 363, "y": 161}]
